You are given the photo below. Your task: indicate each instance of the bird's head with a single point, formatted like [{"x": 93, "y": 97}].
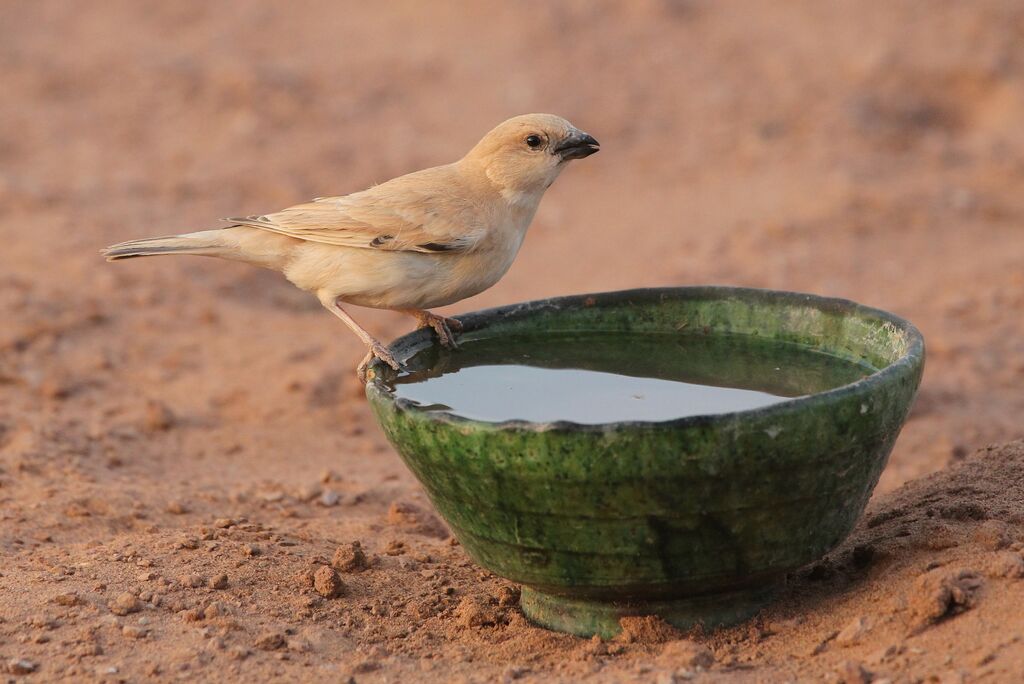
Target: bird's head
[{"x": 524, "y": 155}]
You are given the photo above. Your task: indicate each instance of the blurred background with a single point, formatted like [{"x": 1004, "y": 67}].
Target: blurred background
[
  {"x": 865, "y": 149},
  {"x": 868, "y": 150}
]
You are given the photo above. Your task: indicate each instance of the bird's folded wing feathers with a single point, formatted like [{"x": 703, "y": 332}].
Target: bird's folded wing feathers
[{"x": 385, "y": 218}]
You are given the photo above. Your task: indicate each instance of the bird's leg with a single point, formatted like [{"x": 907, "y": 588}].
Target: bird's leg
[
  {"x": 441, "y": 325},
  {"x": 377, "y": 349}
]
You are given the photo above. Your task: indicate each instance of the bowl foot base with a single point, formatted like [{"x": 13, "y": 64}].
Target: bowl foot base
[{"x": 588, "y": 617}]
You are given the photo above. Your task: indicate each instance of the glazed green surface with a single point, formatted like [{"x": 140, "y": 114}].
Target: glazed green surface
[{"x": 638, "y": 512}]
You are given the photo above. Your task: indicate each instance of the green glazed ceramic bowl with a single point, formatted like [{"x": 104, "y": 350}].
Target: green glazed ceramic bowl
[{"x": 696, "y": 520}]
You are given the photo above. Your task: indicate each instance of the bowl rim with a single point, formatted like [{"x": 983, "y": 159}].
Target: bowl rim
[{"x": 410, "y": 343}]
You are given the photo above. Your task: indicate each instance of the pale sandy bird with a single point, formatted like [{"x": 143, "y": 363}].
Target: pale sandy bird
[{"x": 419, "y": 241}]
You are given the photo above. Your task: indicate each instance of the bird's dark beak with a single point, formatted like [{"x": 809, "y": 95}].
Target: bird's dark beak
[{"x": 577, "y": 146}]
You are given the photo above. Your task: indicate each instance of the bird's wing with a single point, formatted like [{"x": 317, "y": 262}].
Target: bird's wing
[{"x": 421, "y": 212}]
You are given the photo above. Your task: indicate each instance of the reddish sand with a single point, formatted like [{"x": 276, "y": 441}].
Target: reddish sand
[{"x": 183, "y": 443}]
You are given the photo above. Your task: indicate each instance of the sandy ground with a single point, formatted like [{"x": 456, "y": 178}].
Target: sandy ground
[{"x": 183, "y": 444}]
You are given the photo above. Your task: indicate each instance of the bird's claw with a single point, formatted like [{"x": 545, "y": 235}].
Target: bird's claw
[
  {"x": 377, "y": 351},
  {"x": 443, "y": 327}
]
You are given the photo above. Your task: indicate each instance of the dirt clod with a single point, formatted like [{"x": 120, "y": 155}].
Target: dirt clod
[
  {"x": 68, "y": 599},
  {"x": 192, "y": 614},
  {"x": 350, "y": 558},
  {"x": 473, "y": 612},
  {"x": 194, "y": 581},
  {"x": 647, "y": 629},
  {"x": 214, "y": 609},
  {"x": 327, "y": 582},
  {"x": 941, "y": 593},
  {"x": 394, "y": 548},
  {"x": 507, "y": 596},
  {"x": 271, "y": 641},
  {"x": 125, "y": 604}
]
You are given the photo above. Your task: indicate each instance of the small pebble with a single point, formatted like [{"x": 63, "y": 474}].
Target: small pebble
[
  {"x": 124, "y": 604},
  {"x": 69, "y": 599},
  {"x": 330, "y": 498},
  {"x": 852, "y": 632},
  {"x": 134, "y": 632},
  {"x": 851, "y": 672},
  {"x": 192, "y": 614},
  {"x": 20, "y": 666},
  {"x": 158, "y": 417},
  {"x": 214, "y": 609},
  {"x": 193, "y": 581},
  {"x": 271, "y": 641}
]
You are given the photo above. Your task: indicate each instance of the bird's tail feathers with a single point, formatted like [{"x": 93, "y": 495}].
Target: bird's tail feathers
[{"x": 205, "y": 243}]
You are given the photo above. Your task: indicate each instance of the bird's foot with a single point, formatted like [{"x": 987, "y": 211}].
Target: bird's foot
[
  {"x": 377, "y": 351},
  {"x": 442, "y": 326}
]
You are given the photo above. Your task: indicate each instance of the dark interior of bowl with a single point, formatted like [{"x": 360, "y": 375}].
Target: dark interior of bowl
[{"x": 631, "y": 514}]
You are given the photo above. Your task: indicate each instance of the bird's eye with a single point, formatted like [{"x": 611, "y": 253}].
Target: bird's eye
[{"x": 534, "y": 141}]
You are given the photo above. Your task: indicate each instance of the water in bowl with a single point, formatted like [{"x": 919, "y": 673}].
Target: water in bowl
[{"x": 594, "y": 378}]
